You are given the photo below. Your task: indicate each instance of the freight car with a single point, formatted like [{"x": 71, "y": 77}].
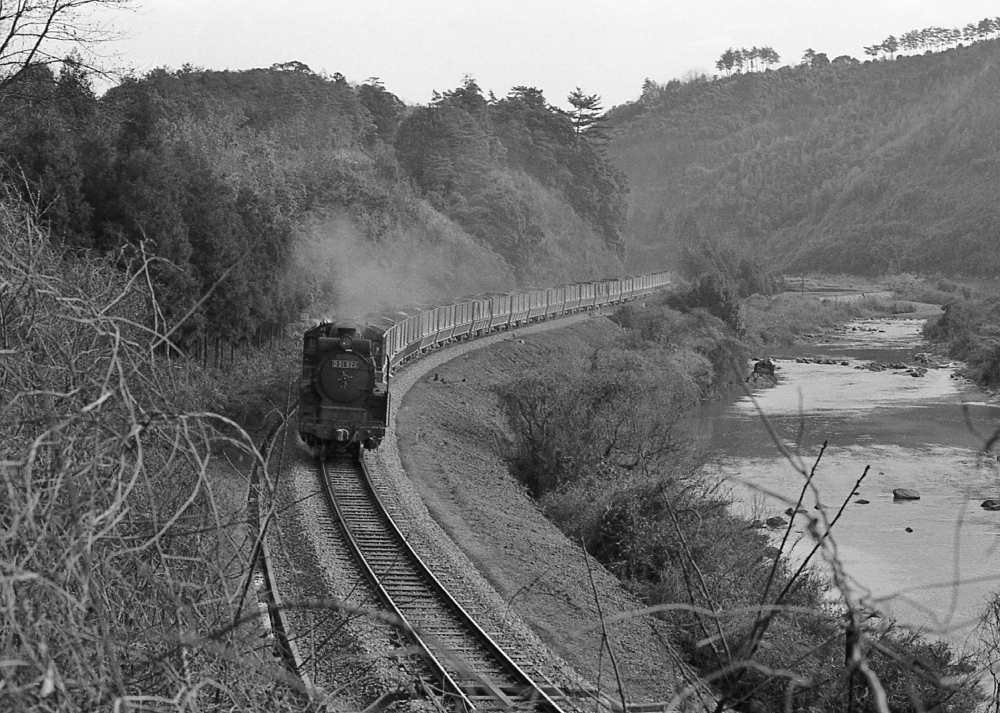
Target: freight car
[{"x": 346, "y": 366}]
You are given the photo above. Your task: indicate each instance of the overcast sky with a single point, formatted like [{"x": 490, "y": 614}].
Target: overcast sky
[{"x": 606, "y": 47}]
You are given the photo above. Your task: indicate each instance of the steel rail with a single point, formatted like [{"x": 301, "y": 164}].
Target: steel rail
[
  {"x": 450, "y": 686},
  {"x": 460, "y": 675}
]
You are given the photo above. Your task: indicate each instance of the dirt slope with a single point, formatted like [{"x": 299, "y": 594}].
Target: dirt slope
[{"x": 446, "y": 429}]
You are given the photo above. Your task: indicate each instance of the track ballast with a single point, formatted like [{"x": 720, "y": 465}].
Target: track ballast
[{"x": 468, "y": 665}]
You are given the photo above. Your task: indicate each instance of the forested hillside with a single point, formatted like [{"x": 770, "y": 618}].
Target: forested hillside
[
  {"x": 259, "y": 194},
  {"x": 882, "y": 166}
]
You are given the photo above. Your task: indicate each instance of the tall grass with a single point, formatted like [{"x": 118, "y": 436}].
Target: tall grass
[
  {"x": 121, "y": 563},
  {"x": 970, "y": 330},
  {"x": 781, "y": 320}
]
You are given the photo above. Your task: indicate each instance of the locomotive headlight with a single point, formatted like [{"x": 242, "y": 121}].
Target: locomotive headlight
[{"x": 346, "y": 343}]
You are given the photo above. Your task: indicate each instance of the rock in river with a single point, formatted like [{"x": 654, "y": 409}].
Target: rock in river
[{"x": 905, "y": 494}]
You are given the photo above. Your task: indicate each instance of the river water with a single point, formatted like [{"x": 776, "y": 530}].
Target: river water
[{"x": 924, "y": 433}]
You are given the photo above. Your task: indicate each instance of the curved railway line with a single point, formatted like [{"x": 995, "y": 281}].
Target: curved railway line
[
  {"x": 471, "y": 670},
  {"x": 466, "y": 669},
  {"x": 462, "y": 665}
]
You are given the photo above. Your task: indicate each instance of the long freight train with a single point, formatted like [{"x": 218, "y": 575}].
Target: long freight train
[{"x": 344, "y": 390}]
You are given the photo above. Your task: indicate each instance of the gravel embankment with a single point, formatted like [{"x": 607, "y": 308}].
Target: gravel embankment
[
  {"x": 446, "y": 431},
  {"x": 347, "y": 650}
]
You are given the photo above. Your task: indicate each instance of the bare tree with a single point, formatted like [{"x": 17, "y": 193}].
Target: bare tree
[{"x": 34, "y": 32}]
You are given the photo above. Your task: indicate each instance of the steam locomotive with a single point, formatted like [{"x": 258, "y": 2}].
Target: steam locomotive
[{"x": 344, "y": 389}]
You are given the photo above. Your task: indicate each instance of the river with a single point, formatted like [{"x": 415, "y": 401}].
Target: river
[{"x": 924, "y": 433}]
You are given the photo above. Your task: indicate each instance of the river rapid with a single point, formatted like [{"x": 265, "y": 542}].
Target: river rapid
[{"x": 924, "y": 433}]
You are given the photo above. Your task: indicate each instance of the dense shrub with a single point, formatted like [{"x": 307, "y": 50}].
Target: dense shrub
[
  {"x": 621, "y": 407},
  {"x": 715, "y": 294},
  {"x": 970, "y": 330},
  {"x": 120, "y": 569},
  {"x": 707, "y": 353}
]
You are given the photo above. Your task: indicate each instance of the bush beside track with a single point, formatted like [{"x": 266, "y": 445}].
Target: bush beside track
[{"x": 122, "y": 545}]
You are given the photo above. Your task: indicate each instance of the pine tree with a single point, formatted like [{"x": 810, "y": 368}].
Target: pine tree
[
  {"x": 587, "y": 115},
  {"x": 727, "y": 61}
]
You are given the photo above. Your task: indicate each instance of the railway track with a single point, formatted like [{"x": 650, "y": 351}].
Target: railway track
[
  {"x": 465, "y": 669},
  {"x": 470, "y": 669}
]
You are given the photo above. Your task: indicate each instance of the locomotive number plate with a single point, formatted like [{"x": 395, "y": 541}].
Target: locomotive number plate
[{"x": 344, "y": 364}]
